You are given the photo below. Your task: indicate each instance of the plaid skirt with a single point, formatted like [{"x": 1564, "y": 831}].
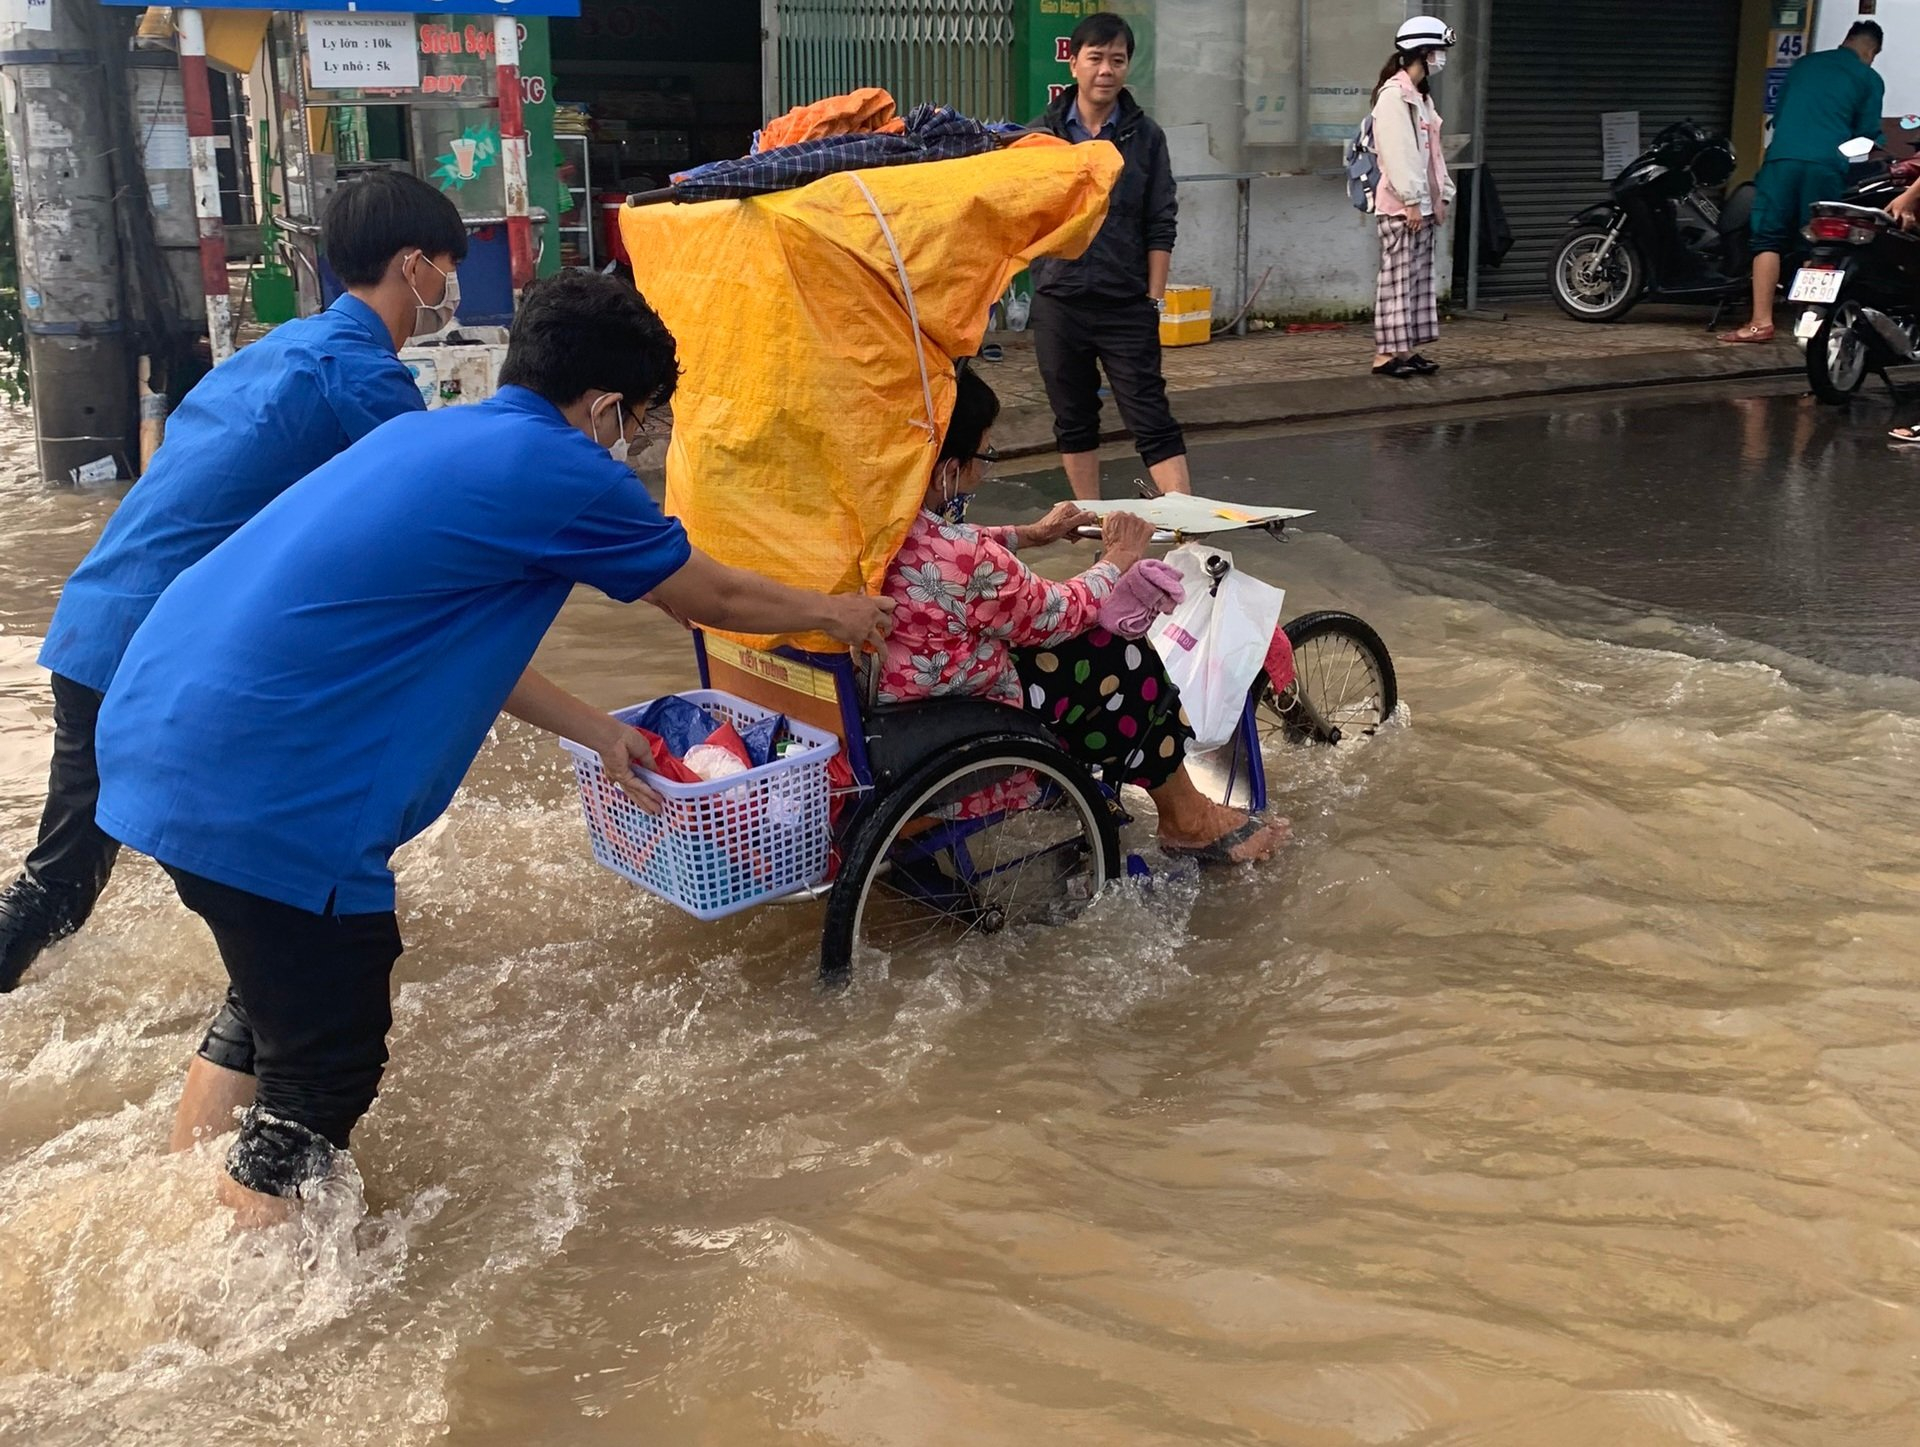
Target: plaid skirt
[{"x": 1406, "y": 313}]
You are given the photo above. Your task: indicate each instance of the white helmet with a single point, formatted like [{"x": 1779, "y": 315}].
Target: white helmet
[{"x": 1425, "y": 32}]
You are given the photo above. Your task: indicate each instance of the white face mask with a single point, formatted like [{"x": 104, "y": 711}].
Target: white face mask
[
  {"x": 430, "y": 321},
  {"x": 1436, "y": 62},
  {"x": 621, "y": 448}
]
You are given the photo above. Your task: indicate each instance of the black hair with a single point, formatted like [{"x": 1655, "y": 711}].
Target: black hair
[
  {"x": 372, "y": 220},
  {"x": 1871, "y": 29},
  {"x": 1400, "y": 60},
  {"x": 975, "y": 409},
  {"x": 579, "y": 331},
  {"x": 1101, "y": 29}
]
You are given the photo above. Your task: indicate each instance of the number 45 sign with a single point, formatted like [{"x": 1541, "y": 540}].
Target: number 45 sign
[{"x": 1788, "y": 46}]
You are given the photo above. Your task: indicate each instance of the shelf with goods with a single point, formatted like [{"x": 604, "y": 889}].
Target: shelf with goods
[{"x": 580, "y": 217}]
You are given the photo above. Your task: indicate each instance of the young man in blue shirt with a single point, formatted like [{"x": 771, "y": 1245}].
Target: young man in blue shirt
[
  {"x": 252, "y": 427},
  {"x": 308, "y": 697}
]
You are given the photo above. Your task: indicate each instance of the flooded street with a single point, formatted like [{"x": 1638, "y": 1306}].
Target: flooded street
[{"x": 1559, "y": 1085}]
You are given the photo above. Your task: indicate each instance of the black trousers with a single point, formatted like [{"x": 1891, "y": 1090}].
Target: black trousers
[
  {"x": 310, "y": 1003},
  {"x": 72, "y": 859},
  {"x": 1073, "y": 341}
]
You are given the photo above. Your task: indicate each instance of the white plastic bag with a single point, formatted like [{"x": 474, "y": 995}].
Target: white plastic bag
[{"x": 1216, "y": 640}]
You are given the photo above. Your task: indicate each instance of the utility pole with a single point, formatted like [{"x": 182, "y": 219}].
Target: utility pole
[{"x": 60, "y": 133}]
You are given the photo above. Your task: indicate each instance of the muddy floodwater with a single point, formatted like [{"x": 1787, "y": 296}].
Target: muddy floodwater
[{"x": 1559, "y": 1085}]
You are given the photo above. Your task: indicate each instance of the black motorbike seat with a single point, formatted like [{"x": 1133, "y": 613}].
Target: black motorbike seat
[
  {"x": 1737, "y": 212},
  {"x": 901, "y": 737}
]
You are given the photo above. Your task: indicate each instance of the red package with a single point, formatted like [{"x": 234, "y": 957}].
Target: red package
[
  {"x": 1280, "y": 661},
  {"x": 664, "y": 763}
]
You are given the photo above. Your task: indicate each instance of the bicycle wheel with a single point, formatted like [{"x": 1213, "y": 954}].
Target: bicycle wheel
[
  {"x": 1343, "y": 686},
  {"x": 913, "y": 877}
]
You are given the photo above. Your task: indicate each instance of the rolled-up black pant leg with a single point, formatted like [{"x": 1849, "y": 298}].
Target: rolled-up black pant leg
[
  {"x": 1064, "y": 346},
  {"x": 1129, "y": 342},
  {"x": 72, "y": 859},
  {"x": 313, "y": 993}
]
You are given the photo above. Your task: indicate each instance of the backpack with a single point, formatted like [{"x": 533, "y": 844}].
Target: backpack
[{"x": 1363, "y": 168}]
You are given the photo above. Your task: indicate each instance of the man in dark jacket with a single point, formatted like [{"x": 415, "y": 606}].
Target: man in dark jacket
[{"x": 1103, "y": 310}]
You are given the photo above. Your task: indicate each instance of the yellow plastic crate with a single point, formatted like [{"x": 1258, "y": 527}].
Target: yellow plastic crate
[{"x": 1188, "y": 319}]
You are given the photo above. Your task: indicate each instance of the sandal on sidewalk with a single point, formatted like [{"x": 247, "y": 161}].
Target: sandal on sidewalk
[
  {"x": 1907, "y": 436},
  {"x": 1219, "y": 851},
  {"x": 1749, "y": 333}
]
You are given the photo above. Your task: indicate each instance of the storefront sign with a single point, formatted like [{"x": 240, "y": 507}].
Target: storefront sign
[
  {"x": 1776, "y": 82},
  {"x": 372, "y": 52},
  {"x": 1790, "y": 15},
  {"x": 1044, "y": 53}
]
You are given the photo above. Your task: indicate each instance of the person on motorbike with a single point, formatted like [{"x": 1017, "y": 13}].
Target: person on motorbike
[
  {"x": 1829, "y": 98},
  {"x": 1411, "y": 200},
  {"x": 970, "y": 620}
]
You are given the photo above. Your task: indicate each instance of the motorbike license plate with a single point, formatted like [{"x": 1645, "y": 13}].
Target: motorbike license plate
[{"x": 1820, "y": 285}]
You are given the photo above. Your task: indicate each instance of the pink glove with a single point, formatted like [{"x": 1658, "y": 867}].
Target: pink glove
[{"x": 1145, "y": 591}]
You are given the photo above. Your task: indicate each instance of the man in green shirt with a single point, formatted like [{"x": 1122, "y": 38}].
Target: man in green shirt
[{"x": 1830, "y": 98}]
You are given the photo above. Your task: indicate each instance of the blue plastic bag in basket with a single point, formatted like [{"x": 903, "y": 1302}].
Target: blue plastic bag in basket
[{"x": 682, "y": 724}]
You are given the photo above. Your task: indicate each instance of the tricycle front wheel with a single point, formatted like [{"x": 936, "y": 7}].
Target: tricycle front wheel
[{"x": 1343, "y": 685}]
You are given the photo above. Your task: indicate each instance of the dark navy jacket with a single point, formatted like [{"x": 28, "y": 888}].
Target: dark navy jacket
[{"x": 1142, "y": 214}]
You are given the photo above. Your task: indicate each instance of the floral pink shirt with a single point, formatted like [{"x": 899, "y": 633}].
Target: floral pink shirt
[{"x": 963, "y": 602}]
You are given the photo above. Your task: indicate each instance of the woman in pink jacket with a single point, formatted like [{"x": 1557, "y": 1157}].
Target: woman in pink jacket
[{"x": 1411, "y": 200}]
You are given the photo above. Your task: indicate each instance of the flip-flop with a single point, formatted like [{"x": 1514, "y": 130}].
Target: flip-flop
[
  {"x": 1219, "y": 851},
  {"x": 1906, "y": 436}
]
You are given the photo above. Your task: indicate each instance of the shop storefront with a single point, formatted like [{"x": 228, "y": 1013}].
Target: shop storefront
[
  {"x": 643, "y": 91},
  {"x": 353, "y": 92}
]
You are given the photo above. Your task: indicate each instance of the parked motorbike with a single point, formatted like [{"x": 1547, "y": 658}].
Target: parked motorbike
[
  {"x": 1859, "y": 288},
  {"x": 1661, "y": 236}
]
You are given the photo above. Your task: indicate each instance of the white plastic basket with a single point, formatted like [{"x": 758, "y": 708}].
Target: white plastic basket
[{"x": 716, "y": 847}]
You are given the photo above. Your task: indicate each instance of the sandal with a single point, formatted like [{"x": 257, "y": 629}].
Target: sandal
[
  {"x": 1749, "y": 333},
  {"x": 1909, "y": 436},
  {"x": 1219, "y": 851}
]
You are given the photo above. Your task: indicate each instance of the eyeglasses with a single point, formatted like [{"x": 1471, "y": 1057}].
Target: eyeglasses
[{"x": 988, "y": 458}]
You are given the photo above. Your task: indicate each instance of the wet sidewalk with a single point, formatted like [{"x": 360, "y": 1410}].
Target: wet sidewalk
[{"x": 1281, "y": 376}]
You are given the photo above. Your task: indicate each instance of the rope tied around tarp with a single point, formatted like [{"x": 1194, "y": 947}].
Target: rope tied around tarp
[{"x": 913, "y": 311}]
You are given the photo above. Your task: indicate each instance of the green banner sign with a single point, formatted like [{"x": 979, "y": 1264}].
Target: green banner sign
[{"x": 1041, "y": 57}]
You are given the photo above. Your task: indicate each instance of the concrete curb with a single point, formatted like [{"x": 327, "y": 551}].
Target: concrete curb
[{"x": 1025, "y": 429}]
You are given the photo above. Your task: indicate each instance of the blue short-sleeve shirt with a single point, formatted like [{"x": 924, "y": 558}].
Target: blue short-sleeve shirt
[
  {"x": 309, "y": 695},
  {"x": 255, "y": 425}
]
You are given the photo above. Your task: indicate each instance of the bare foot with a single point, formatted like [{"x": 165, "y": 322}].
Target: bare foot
[{"x": 1220, "y": 824}]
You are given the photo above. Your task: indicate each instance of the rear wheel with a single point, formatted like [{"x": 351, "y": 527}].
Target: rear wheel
[
  {"x": 1594, "y": 281},
  {"x": 1343, "y": 685},
  {"x": 913, "y": 878},
  {"x": 1837, "y": 360}
]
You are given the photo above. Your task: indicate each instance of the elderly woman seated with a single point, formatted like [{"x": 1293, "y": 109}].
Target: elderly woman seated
[{"x": 970, "y": 619}]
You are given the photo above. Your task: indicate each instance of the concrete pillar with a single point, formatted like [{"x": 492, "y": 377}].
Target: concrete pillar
[{"x": 59, "y": 144}]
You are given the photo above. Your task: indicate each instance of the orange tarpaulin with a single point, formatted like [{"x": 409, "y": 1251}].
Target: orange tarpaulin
[
  {"x": 861, "y": 110},
  {"x": 803, "y": 438}
]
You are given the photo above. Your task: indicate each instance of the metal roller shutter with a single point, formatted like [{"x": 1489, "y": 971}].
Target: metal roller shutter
[
  {"x": 1554, "y": 67},
  {"x": 947, "y": 52}
]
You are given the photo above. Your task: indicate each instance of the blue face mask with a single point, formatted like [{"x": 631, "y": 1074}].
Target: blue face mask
[{"x": 955, "y": 511}]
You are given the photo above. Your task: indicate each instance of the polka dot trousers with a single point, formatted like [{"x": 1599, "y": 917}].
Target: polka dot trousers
[{"x": 1110, "y": 703}]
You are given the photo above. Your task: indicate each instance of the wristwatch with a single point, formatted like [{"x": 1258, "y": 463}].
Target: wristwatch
[{"x": 1159, "y": 304}]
